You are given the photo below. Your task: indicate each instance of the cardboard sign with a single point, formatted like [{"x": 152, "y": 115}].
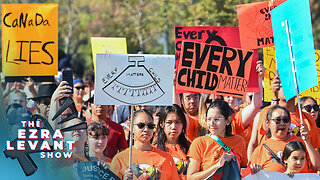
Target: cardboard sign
[
  {"x": 29, "y": 39},
  {"x": 269, "y": 61},
  {"x": 214, "y": 69},
  {"x": 91, "y": 170},
  {"x": 221, "y": 36},
  {"x": 255, "y": 24},
  {"x": 298, "y": 25},
  {"x": 107, "y": 45},
  {"x": 263, "y": 174},
  {"x": 134, "y": 79}
]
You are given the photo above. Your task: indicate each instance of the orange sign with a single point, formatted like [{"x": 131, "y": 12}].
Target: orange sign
[
  {"x": 255, "y": 24},
  {"x": 206, "y": 68},
  {"x": 29, "y": 39}
]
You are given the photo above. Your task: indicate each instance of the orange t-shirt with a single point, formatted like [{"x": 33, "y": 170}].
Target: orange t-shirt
[
  {"x": 145, "y": 164},
  {"x": 192, "y": 132},
  {"x": 208, "y": 152},
  {"x": 294, "y": 126},
  {"x": 180, "y": 159},
  {"x": 237, "y": 127},
  {"x": 263, "y": 157}
]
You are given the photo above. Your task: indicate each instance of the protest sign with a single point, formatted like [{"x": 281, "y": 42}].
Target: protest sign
[
  {"x": 291, "y": 23},
  {"x": 269, "y": 61},
  {"x": 91, "y": 170},
  {"x": 255, "y": 24},
  {"x": 29, "y": 39},
  {"x": 107, "y": 45},
  {"x": 221, "y": 36},
  {"x": 262, "y": 174},
  {"x": 134, "y": 79},
  {"x": 215, "y": 69}
]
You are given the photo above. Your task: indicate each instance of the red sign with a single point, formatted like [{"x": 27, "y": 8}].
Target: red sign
[
  {"x": 214, "y": 69},
  {"x": 221, "y": 36}
]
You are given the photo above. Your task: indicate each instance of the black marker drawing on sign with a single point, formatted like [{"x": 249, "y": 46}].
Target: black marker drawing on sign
[
  {"x": 213, "y": 37},
  {"x": 135, "y": 82}
]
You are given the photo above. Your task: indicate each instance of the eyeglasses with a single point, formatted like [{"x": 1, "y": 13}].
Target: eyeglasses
[
  {"x": 80, "y": 87},
  {"x": 194, "y": 98},
  {"x": 284, "y": 120},
  {"x": 216, "y": 120},
  {"x": 47, "y": 103},
  {"x": 143, "y": 125},
  {"x": 308, "y": 108}
]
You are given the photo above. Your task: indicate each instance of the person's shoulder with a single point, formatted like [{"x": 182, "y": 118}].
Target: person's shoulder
[
  {"x": 115, "y": 125},
  {"x": 122, "y": 154}
]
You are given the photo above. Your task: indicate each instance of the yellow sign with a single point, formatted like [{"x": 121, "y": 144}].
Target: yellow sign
[
  {"x": 29, "y": 39},
  {"x": 112, "y": 45},
  {"x": 269, "y": 62}
]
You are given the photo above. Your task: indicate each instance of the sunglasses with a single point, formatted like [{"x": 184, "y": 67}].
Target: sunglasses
[
  {"x": 80, "y": 87},
  {"x": 143, "y": 125},
  {"x": 284, "y": 120},
  {"x": 308, "y": 108},
  {"x": 47, "y": 103}
]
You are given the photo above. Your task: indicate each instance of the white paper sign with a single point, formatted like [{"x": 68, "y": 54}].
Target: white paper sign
[
  {"x": 134, "y": 79},
  {"x": 276, "y": 176}
]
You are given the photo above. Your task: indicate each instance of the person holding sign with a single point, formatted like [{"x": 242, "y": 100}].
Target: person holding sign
[
  {"x": 147, "y": 161},
  {"x": 206, "y": 153},
  {"x": 171, "y": 137},
  {"x": 267, "y": 154},
  {"x": 260, "y": 128}
]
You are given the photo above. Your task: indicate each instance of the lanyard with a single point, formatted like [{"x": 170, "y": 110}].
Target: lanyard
[{"x": 225, "y": 147}]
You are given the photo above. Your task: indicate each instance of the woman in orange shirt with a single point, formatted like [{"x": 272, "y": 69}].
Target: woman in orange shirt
[
  {"x": 278, "y": 120},
  {"x": 206, "y": 155},
  {"x": 147, "y": 162},
  {"x": 171, "y": 137}
]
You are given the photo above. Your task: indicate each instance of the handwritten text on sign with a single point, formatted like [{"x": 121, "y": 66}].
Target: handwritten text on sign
[
  {"x": 215, "y": 69},
  {"x": 29, "y": 39},
  {"x": 269, "y": 61}
]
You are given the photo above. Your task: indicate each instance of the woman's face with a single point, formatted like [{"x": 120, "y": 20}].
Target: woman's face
[
  {"x": 78, "y": 90},
  {"x": 76, "y": 135},
  {"x": 230, "y": 100},
  {"x": 279, "y": 124},
  {"x": 216, "y": 122},
  {"x": 143, "y": 127},
  {"x": 172, "y": 126},
  {"x": 97, "y": 143},
  {"x": 309, "y": 107},
  {"x": 296, "y": 161}
]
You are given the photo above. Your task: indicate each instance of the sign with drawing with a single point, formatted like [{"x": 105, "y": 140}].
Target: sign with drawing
[
  {"x": 129, "y": 79},
  {"x": 206, "y": 68},
  {"x": 255, "y": 24}
]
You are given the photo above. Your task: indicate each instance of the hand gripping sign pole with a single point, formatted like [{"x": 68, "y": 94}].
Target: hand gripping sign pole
[
  {"x": 294, "y": 70},
  {"x": 131, "y": 138}
]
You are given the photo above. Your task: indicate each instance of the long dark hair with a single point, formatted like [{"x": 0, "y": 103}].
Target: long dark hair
[
  {"x": 269, "y": 116},
  {"x": 290, "y": 147},
  {"x": 161, "y": 135},
  {"x": 225, "y": 110}
]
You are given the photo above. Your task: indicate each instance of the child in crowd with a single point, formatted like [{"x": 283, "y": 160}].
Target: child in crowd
[{"x": 97, "y": 141}]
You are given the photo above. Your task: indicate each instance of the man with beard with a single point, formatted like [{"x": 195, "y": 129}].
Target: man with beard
[{"x": 103, "y": 114}]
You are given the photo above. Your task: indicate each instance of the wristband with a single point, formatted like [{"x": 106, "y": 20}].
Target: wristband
[{"x": 276, "y": 100}]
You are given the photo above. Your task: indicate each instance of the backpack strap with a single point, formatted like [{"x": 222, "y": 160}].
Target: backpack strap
[{"x": 225, "y": 147}]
